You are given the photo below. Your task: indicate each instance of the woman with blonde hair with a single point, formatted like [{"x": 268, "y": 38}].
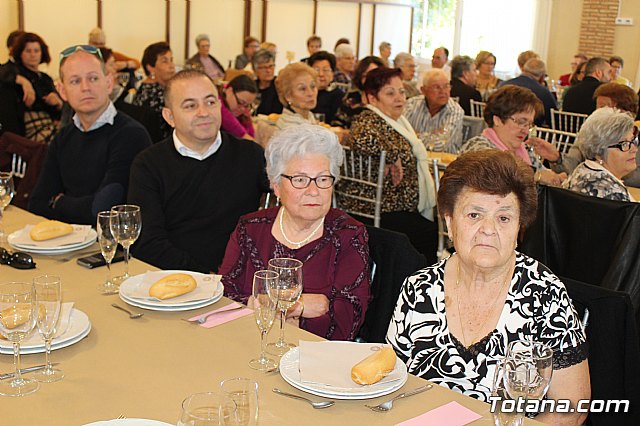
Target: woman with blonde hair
[
  {"x": 297, "y": 87},
  {"x": 487, "y": 82}
]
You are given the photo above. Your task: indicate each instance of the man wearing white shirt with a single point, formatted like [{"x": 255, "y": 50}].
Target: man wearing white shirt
[{"x": 193, "y": 187}]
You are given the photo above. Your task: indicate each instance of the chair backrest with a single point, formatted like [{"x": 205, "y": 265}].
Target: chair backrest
[
  {"x": 436, "y": 167},
  {"x": 477, "y": 108},
  {"x": 456, "y": 98},
  {"x": 15, "y": 153},
  {"x": 471, "y": 127},
  {"x": 567, "y": 121},
  {"x": 362, "y": 173},
  {"x": 562, "y": 141}
]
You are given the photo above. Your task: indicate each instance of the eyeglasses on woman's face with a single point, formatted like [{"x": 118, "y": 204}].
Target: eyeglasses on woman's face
[
  {"x": 522, "y": 122},
  {"x": 302, "y": 182},
  {"x": 625, "y": 146}
]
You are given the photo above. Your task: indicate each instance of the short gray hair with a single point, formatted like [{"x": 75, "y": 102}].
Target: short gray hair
[
  {"x": 459, "y": 65},
  {"x": 201, "y": 37},
  {"x": 401, "y": 58},
  {"x": 384, "y": 44},
  {"x": 298, "y": 141},
  {"x": 604, "y": 127},
  {"x": 260, "y": 57},
  {"x": 432, "y": 74},
  {"x": 535, "y": 67},
  {"x": 343, "y": 50}
]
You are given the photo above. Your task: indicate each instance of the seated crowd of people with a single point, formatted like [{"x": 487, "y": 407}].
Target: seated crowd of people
[{"x": 182, "y": 146}]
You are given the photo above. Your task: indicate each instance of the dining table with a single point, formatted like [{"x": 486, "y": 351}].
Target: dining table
[{"x": 145, "y": 368}]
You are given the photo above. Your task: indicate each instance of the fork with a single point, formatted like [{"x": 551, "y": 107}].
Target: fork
[
  {"x": 386, "y": 406},
  {"x": 203, "y": 319},
  {"x": 18, "y": 166}
]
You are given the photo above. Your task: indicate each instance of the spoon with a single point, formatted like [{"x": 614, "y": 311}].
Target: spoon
[
  {"x": 315, "y": 404},
  {"x": 386, "y": 406},
  {"x": 131, "y": 314}
]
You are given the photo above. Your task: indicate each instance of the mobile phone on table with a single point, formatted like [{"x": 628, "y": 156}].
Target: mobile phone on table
[{"x": 95, "y": 260}]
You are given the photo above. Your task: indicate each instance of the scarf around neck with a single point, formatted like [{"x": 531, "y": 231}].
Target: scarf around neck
[{"x": 520, "y": 152}]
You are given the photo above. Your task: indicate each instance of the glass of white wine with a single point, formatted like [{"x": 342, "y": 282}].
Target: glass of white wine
[
  {"x": 265, "y": 313},
  {"x": 126, "y": 228},
  {"x": 49, "y": 297},
  {"x": 18, "y": 317},
  {"x": 108, "y": 246},
  {"x": 7, "y": 191},
  {"x": 286, "y": 291},
  {"x": 244, "y": 393},
  {"x": 206, "y": 409}
]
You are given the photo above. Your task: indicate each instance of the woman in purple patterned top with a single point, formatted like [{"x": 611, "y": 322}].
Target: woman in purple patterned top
[{"x": 302, "y": 164}]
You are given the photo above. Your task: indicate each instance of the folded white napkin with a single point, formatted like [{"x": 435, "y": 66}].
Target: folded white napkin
[
  {"x": 206, "y": 287},
  {"x": 330, "y": 363},
  {"x": 78, "y": 235}
]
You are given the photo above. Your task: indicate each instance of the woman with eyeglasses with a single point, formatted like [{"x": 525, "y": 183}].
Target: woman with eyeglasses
[
  {"x": 510, "y": 113},
  {"x": 610, "y": 143},
  {"x": 487, "y": 82},
  {"x": 297, "y": 87},
  {"x": 237, "y": 98},
  {"x": 302, "y": 164}
]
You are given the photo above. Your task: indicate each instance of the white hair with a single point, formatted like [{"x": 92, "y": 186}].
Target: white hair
[
  {"x": 343, "y": 50},
  {"x": 201, "y": 37},
  {"x": 401, "y": 58},
  {"x": 298, "y": 141},
  {"x": 604, "y": 127}
]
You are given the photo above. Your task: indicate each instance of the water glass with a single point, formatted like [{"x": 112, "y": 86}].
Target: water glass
[
  {"x": 285, "y": 291},
  {"x": 264, "y": 310},
  {"x": 244, "y": 393},
  {"x": 18, "y": 311},
  {"x": 108, "y": 246},
  {"x": 49, "y": 300},
  {"x": 538, "y": 358},
  {"x": 206, "y": 409},
  {"x": 126, "y": 228},
  {"x": 503, "y": 417}
]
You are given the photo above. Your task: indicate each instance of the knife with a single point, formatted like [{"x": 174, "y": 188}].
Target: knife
[{"x": 25, "y": 370}]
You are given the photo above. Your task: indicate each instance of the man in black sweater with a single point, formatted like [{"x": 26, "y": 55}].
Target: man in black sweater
[
  {"x": 463, "y": 82},
  {"x": 193, "y": 187},
  {"x": 87, "y": 167},
  {"x": 579, "y": 98}
]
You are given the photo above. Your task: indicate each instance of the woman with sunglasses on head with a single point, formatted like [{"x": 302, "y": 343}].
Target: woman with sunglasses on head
[
  {"x": 237, "y": 98},
  {"x": 302, "y": 163},
  {"x": 610, "y": 143},
  {"x": 509, "y": 114}
]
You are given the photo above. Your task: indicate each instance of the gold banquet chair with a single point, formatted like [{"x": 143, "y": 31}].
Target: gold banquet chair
[
  {"x": 358, "y": 171},
  {"x": 443, "y": 235},
  {"x": 567, "y": 121},
  {"x": 562, "y": 141},
  {"x": 477, "y": 108}
]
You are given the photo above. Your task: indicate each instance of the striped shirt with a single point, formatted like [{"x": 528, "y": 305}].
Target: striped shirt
[{"x": 447, "y": 120}]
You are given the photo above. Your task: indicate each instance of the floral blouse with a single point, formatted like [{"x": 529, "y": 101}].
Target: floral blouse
[
  {"x": 593, "y": 179},
  {"x": 537, "y": 308},
  {"x": 151, "y": 95}
]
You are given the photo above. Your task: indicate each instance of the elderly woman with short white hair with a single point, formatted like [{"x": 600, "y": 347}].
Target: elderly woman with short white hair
[
  {"x": 203, "y": 61},
  {"x": 407, "y": 64},
  {"x": 303, "y": 164},
  {"x": 297, "y": 87},
  {"x": 345, "y": 64},
  {"x": 609, "y": 142}
]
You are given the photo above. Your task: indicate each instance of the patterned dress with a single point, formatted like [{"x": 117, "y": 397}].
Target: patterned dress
[
  {"x": 151, "y": 95},
  {"x": 537, "y": 308},
  {"x": 591, "y": 178},
  {"x": 336, "y": 265}
]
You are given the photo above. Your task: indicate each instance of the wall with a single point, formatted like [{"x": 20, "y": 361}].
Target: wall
[{"x": 131, "y": 25}]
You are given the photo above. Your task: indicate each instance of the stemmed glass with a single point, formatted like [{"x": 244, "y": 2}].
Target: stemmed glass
[
  {"x": 49, "y": 301},
  {"x": 244, "y": 393},
  {"x": 537, "y": 359},
  {"x": 7, "y": 191},
  {"x": 18, "y": 310},
  {"x": 286, "y": 291},
  {"x": 498, "y": 389},
  {"x": 126, "y": 228},
  {"x": 108, "y": 246},
  {"x": 206, "y": 409},
  {"x": 265, "y": 313}
]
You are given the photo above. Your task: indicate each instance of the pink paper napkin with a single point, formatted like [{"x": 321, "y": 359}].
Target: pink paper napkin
[
  {"x": 451, "y": 414},
  {"x": 222, "y": 317}
]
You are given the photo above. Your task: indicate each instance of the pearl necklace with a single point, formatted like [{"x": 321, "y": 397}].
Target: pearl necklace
[{"x": 300, "y": 243}]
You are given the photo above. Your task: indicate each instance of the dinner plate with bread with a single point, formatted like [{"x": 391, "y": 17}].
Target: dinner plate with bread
[
  {"x": 343, "y": 370},
  {"x": 73, "y": 326},
  {"x": 171, "y": 290},
  {"x": 52, "y": 237}
]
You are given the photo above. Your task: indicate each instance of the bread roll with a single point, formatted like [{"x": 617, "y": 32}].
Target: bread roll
[
  {"x": 49, "y": 229},
  {"x": 375, "y": 367},
  {"x": 18, "y": 315},
  {"x": 173, "y": 285}
]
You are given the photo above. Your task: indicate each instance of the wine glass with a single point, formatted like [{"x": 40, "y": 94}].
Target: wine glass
[
  {"x": 539, "y": 359},
  {"x": 498, "y": 389},
  {"x": 18, "y": 310},
  {"x": 7, "y": 191},
  {"x": 265, "y": 313},
  {"x": 126, "y": 228},
  {"x": 286, "y": 291},
  {"x": 108, "y": 246},
  {"x": 49, "y": 301},
  {"x": 206, "y": 409},
  {"x": 244, "y": 393}
]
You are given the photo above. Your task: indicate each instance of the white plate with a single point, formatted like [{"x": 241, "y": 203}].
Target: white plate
[
  {"x": 290, "y": 372},
  {"x": 90, "y": 239},
  {"x": 79, "y": 328},
  {"x": 129, "y": 285},
  {"x": 129, "y": 422}
]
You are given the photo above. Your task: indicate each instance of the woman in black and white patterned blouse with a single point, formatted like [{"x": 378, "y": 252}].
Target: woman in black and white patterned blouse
[{"x": 455, "y": 319}]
